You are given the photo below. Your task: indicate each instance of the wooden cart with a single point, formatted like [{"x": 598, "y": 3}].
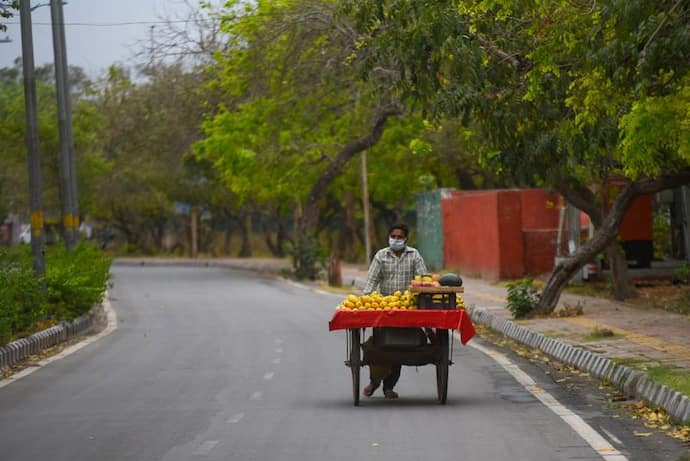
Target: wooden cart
[{"x": 437, "y": 353}]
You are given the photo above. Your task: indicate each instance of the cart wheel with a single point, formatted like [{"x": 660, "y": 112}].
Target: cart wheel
[
  {"x": 442, "y": 367},
  {"x": 355, "y": 363}
]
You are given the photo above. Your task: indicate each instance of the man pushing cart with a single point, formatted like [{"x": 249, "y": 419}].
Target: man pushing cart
[{"x": 402, "y": 334}]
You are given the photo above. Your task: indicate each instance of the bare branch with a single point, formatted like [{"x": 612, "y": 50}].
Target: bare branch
[
  {"x": 520, "y": 64},
  {"x": 643, "y": 53}
]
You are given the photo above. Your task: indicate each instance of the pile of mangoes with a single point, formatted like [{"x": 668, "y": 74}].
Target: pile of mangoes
[
  {"x": 377, "y": 301},
  {"x": 398, "y": 300}
]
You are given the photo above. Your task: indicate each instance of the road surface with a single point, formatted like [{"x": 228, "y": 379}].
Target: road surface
[{"x": 217, "y": 364}]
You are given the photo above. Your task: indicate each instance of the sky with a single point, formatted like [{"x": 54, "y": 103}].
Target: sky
[{"x": 98, "y": 33}]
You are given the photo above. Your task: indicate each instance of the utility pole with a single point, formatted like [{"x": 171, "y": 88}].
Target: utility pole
[
  {"x": 574, "y": 236},
  {"x": 32, "y": 142},
  {"x": 365, "y": 206},
  {"x": 194, "y": 222},
  {"x": 68, "y": 171}
]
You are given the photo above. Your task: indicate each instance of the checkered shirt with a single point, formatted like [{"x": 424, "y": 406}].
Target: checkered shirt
[{"x": 389, "y": 273}]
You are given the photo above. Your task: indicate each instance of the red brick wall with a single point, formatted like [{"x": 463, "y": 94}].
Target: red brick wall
[
  {"x": 509, "y": 233},
  {"x": 539, "y": 229},
  {"x": 638, "y": 222},
  {"x": 470, "y": 233},
  {"x": 540, "y": 250},
  {"x": 510, "y": 244},
  {"x": 500, "y": 234},
  {"x": 539, "y": 209}
]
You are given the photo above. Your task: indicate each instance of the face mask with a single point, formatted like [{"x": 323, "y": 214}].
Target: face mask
[{"x": 396, "y": 245}]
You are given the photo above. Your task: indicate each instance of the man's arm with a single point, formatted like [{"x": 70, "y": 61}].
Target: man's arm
[{"x": 373, "y": 276}]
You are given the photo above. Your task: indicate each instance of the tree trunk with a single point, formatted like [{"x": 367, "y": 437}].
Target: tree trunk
[
  {"x": 282, "y": 235},
  {"x": 622, "y": 284},
  {"x": 349, "y": 232},
  {"x": 228, "y": 240},
  {"x": 244, "y": 224},
  {"x": 605, "y": 234},
  {"x": 193, "y": 232},
  {"x": 311, "y": 209},
  {"x": 268, "y": 239},
  {"x": 335, "y": 275},
  {"x": 275, "y": 245},
  {"x": 584, "y": 199}
]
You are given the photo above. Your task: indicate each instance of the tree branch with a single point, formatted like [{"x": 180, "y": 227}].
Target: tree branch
[
  {"x": 336, "y": 166},
  {"x": 520, "y": 64},
  {"x": 643, "y": 53}
]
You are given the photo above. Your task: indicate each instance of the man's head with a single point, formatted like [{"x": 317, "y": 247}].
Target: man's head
[
  {"x": 397, "y": 236},
  {"x": 398, "y": 231}
]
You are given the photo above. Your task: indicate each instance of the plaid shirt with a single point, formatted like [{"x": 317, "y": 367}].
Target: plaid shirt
[{"x": 389, "y": 273}]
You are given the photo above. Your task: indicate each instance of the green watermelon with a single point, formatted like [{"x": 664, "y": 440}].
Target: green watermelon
[{"x": 450, "y": 279}]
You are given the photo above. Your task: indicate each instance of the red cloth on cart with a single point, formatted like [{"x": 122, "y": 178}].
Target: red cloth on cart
[{"x": 455, "y": 319}]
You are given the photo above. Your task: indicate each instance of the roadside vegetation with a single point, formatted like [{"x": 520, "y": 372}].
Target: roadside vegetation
[
  {"x": 74, "y": 282},
  {"x": 254, "y": 119}
]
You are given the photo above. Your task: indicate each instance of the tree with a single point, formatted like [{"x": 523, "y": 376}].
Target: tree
[
  {"x": 6, "y": 11},
  {"x": 293, "y": 105},
  {"x": 148, "y": 130},
  {"x": 554, "y": 92},
  {"x": 13, "y": 174}
]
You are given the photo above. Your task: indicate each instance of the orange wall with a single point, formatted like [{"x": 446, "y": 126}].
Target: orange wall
[
  {"x": 539, "y": 209},
  {"x": 638, "y": 222},
  {"x": 510, "y": 233},
  {"x": 500, "y": 233},
  {"x": 540, "y": 250},
  {"x": 470, "y": 233},
  {"x": 511, "y": 246}
]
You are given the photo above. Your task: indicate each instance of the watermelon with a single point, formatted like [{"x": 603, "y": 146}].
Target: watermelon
[{"x": 450, "y": 279}]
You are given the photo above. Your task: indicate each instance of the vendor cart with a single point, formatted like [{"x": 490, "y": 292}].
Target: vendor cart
[{"x": 396, "y": 329}]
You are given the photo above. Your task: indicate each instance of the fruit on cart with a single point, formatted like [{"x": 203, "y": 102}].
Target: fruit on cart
[
  {"x": 459, "y": 302},
  {"x": 426, "y": 280},
  {"x": 450, "y": 279},
  {"x": 377, "y": 301}
]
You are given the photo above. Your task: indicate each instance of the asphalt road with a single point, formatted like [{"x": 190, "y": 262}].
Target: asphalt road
[{"x": 214, "y": 364}]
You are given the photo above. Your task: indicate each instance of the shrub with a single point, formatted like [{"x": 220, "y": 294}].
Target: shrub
[
  {"x": 23, "y": 302},
  {"x": 308, "y": 258},
  {"x": 75, "y": 280},
  {"x": 522, "y": 298},
  {"x": 73, "y": 283}
]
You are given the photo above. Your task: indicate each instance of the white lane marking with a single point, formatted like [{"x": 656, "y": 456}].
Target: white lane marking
[
  {"x": 611, "y": 436},
  {"x": 276, "y": 361},
  {"x": 110, "y": 327},
  {"x": 205, "y": 448},
  {"x": 279, "y": 350},
  {"x": 256, "y": 395},
  {"x": 234, "y": 419},
  {"x": 268, "y": 375},
  {"x": 584, "y": 430}
]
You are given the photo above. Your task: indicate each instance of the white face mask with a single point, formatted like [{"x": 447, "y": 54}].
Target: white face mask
[{"x": 395, "y": 244}]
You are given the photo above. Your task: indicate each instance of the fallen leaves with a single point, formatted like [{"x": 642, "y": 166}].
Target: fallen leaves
[{"x": 655, "y": 418}]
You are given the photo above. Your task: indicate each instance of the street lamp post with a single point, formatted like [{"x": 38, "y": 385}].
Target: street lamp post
[
  {"x": 32, "y": 140},
  {"x": 70, "y": 204}
]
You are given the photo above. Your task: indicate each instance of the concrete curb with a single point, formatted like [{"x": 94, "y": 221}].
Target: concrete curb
[
  {"x": 16, "y": 351},
  {"x": 633, "y": 383}
]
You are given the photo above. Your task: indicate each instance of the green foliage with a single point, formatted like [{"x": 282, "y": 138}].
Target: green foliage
[
  {"x": 522, "y": 298},
  {"x": 657, "y": 133},
  {"x": 677, "y": 379},
  {"x": 684, "y": 273},
  {"x": 308, "y": 258},
  {"x": 22, "y": 300},
  {"x": 74, "y": 282}
]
